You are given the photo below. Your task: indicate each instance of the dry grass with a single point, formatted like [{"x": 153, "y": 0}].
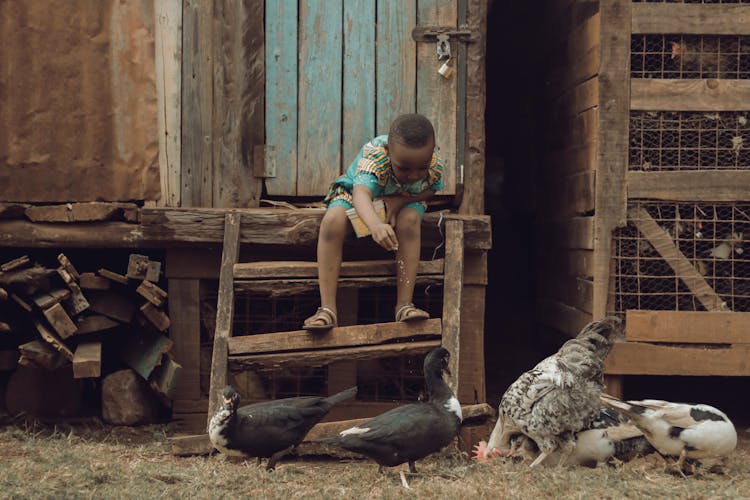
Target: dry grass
[{"x": 103, "y": 462}]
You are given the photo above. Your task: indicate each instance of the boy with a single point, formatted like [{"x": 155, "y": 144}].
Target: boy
[{"x": 404, "y": 170}]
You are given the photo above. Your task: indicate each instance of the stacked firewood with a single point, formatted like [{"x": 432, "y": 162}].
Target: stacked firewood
[{"x": 58, "y": 316}]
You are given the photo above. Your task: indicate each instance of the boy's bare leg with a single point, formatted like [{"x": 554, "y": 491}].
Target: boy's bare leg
[
  {"x": 333, "y": 229},
  {"x": 408, "y": 232}
]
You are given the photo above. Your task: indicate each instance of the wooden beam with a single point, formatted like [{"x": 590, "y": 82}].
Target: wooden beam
[
  {"x": 662, "y": 18},
  {"x": 95, "y": 323},
  {"x": 452, "y": 292},
  {"x": 90, "y": 281},
  {"x": 683, "y": 269},
  {"x": 52, "y": 339},
  {"x": 185, "y": 332},
  {"x": 693, "y": 185},
  {"x": 285, "y": 287},
  {"x": 327, "y": 356},
  {"x": 612, "y": 156},
  {"x": 343, "y": 336},
  {"x": 87, "y": 361},
  {"x": 688, "y": 327},
  {"x": 60, "y": 321},
  {"x": 184, "y": 446},
  {"x": 224, "y": 310},
  {"x": 654, "y": 94},
  {"x": 80, "y": 212},
  {"x": 635, "y": 358},
  {"x": 302, "y": 269}
]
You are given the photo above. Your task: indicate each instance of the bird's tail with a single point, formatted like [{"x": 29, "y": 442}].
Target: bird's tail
[
  {"x": 342, "y": 396},
  {"x": 616, "y": 404}
]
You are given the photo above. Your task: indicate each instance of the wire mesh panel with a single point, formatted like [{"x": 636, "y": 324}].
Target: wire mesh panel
[
  {"x": 681, "y": 140},
  {"x": 710, "y": 236},
  {"x": 690, "y": 56},
  {"x": 692, "y": 1}
]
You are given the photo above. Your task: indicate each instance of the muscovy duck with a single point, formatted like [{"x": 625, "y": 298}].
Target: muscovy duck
[
  {"x": 270, "y": 428},
  {"x": 559, "y": 396},
  {"x": 410, "y": 432},
  {"x": 679, "y": 429}
]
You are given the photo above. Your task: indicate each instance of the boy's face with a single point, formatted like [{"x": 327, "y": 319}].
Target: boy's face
[{"x": 410, "y": 164}]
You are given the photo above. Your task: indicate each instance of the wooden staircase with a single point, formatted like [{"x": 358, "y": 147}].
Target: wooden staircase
[{"x": 343, "y": 343}]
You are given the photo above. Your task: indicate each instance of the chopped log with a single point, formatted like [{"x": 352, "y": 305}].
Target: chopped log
[
  {"x": 152, "y": 293},
  {"x": 184, "y": 446},
  {"x": 127, "y": 399},
  {"x": 153, "y": 271},
  {"x": 4, "y": 327},
  {"x": 76, "y": 303},
  {"x": 142, "y": 351},
  {"x": 90, "y": 281},
  {"x": 8, "y": 360},
  {"x": 46, "y": 300},
  {"x": 41, "y": 354},
  {"x": 113, "y": 276},
  {"x": 79, "y": 212},
  {"x": 155, "y": 316},
  {"x": 52, "y": 339},
  {"x": 137, "y": 266},
  {"x": 68, "y": 266},
  {"x": 87, "y": 361},
  {"x": 18, "y": 300},
  {"x": 112, "y": 305},
  {"x": 166, "y": 376},
  {"x": 15, "y": 263},
  {"x": 60, "y": 321},
  {"x": 3, "y": 294},
  {"x": 95, "y": 323}
]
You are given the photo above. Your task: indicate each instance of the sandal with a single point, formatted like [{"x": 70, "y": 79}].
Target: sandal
[
  {"x": 322, "y": 314},
  {"x": 409, "y": 312}
]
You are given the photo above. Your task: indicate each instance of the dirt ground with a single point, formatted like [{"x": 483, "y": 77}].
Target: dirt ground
[{"x": 98, "y": 461}]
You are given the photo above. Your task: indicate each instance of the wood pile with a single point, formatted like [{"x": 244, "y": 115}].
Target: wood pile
[{"x": 98, "y": 322}]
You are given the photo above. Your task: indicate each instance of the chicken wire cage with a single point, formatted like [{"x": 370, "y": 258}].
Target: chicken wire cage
[
  {"x": 396, "y": 378},
  {"x": 692, "y": 1},
  {"x": 682, "y": 140},
  {"x": 689, "y": 56},
  {"x": 710, "y": 236}
]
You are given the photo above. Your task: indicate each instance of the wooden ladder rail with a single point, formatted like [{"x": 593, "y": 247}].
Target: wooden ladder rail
[
  {"x": 224, "y": 311},
  {"x": 453, "y": 282}
]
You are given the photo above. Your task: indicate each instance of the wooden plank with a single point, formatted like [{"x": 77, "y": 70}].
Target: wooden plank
[
  {"x": 578, "y": 99},
  {"x": 87, "y": 361},
  {"x": 68, "y": 266},
  {"x": 185, "y": 332},
  {"x": 287, "y": 287},
  {"x": 142, "y": 351},
  {"x": 561, "y": 317},
  {"x": 281, "y": 97},
  {"x": 689, "y": 94},
  {"x": 320, "y": 66},
  {"x": 196, "y": 172},
  {"x": 343, "y": 374},
  {"x": 52, "y": 339},
  {"x": 693, "y": 185},
  {"x": 570, "y": 195},
  {"x": 18, "y": 300},
  {"x": 693, "y": 327},
  {"x": 612, "y": 155},
  {"x": 571, "y": 233},
  {"x": 46, "y": 300},
  {"x": 573, "y": 291},
  {"x": 3, "y": 294},
  {"x": 327, "y": 356},
  {"x": 95, "y": 323},
  {"x": 79, "y": 212},
  {"x": 473, "y": 159},
  {"x": 395, "y": 62},
  {"x": 472, "y": 387},
  {"x": 77, "y": 302},
  {"x": 40, "y": 354},
  {"x": 166, "y": 377},
  {"x": 112, "y": 305},
  {"x": 437, "y": 97},
  {"x": 113, "y": 276},
  {"x": 168, "y": 71},
  {"x": 304, "y": 269},
  {"x": 224, "y": 311},
  {"x": 152, "y": 293},
  {"x": 90, "y": 281},
  {"x": 185, "y": 446},
  {"x": 15, "y": 263},
  {"x": 570, "y": 161},
  {"x": 359, "y": 84},
  {"x": 635, "y": 358},
  {"x": 682, "y": 267},
  {"x": 155, "y": 316},
  {"x": 452, "y": 295},
  {"x": 60, "y": 321},
  {"x": 341, "y": 336},
  {"x": 660, "y": 18},
  {"x": 176, "y": 227},
  {"x": 137, "y": 266},
  {"x": 573, "y": 131}
]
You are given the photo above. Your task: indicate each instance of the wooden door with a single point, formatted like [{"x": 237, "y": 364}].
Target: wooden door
[{"x": 338, "y": 72}]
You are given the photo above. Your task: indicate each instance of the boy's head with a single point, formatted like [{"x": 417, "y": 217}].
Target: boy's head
[{"x": 411, "y": 141}]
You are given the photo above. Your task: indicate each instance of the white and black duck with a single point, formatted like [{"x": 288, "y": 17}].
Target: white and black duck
[
  {"x": 680, "y": 429},
  {"x": 270, "y": 428},
  {"x": 410, "y": 432}
]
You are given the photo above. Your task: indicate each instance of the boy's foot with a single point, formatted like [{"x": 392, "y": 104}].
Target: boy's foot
[
  {"x": 323, "y": 319},
  {"x": 410, "y": 312}
]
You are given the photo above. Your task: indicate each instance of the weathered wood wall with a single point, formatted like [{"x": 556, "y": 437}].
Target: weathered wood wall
[{"x": 78, "y": 103}]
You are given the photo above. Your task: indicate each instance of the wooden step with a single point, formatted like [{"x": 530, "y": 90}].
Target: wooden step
[
  {"x": 305, "y": 269},
  {"x": 343, "y": 336},
  {"x": 294, "y": 286},
  {"x": 327, "y": 356}
]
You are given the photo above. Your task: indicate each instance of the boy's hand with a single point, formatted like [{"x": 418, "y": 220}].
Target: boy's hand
[{"x": 385, "y": 236}]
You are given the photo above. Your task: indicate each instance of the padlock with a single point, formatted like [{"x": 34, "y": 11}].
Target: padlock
[{"x": 446, "y": 70}]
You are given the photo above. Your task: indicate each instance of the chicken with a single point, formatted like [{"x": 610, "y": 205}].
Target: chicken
[
  {"x": 679, "y": 429},
  {"x": 732, "y": 243},
  {"x": 559, "y": 396}
]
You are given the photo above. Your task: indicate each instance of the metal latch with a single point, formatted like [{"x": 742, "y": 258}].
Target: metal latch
[{"x": 431, "y": 34}]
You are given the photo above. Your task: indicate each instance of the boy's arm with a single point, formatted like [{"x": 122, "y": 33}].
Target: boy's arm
[{"x": 382, "y": 233}]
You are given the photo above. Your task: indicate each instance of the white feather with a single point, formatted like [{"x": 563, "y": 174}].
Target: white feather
[
  {"x": 354, "y": 431},
  {"x": 452, "y": 405}
]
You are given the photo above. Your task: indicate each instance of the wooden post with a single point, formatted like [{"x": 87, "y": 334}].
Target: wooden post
[
  {"x": 343, "y": 374},
  {"x": 452, "y": 293},
  {"x": 185, "y": 332},
  {"x": 224, "y": 310}
]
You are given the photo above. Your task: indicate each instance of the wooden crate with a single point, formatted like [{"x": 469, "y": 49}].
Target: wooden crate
[{"x": 646, "y": 179}]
